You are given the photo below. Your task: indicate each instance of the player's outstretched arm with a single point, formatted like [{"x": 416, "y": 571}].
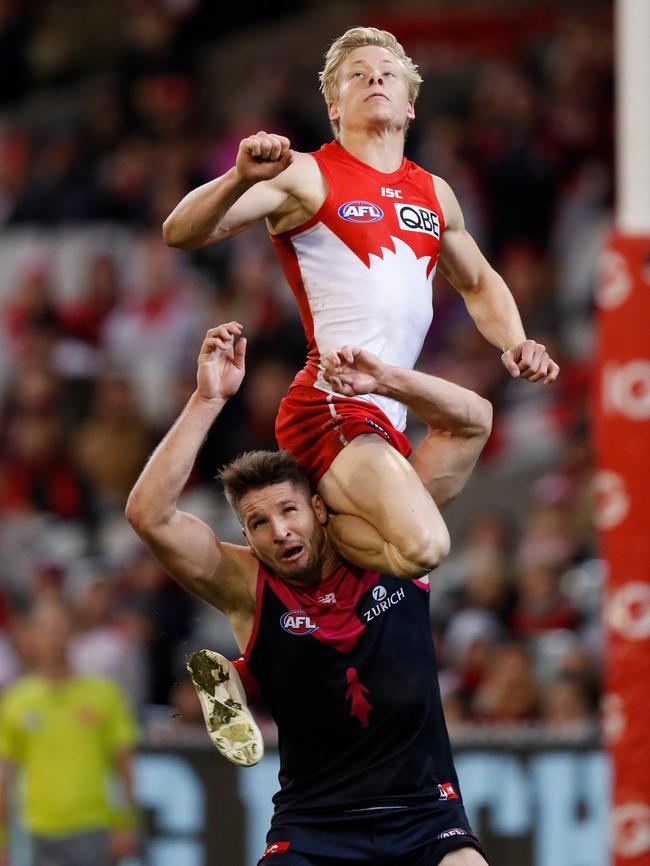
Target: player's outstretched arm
[
  {"x": 220, "y": 573},
  {"x": 487, "y": 297},
  {"x": 353, "y": 371},
  {"x": 251, "y": 190}
]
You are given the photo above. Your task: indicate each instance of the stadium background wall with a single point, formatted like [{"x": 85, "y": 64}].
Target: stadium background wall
[{"x": 531, "y": 807}]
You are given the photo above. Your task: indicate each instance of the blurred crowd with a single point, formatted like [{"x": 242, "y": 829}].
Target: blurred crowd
[{"x": 106, "y": 122}]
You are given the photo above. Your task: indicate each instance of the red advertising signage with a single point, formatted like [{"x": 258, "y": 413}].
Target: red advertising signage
[{"x": 622, "y": 491}]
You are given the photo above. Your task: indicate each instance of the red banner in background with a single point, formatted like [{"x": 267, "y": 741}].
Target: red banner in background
[{"x": 622, "y": 427}]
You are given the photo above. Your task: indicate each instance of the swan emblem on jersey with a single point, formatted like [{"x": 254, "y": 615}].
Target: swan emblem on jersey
[
  {"x": 297, "y": 622},
  {"x": 360, "y": 212}
]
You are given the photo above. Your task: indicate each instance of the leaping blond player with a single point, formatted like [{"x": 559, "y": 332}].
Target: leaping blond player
[{"x": 359, "y": 231}]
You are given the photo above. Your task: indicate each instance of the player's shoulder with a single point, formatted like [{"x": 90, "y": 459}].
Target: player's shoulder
[
  {"x": 303, "y": 172},
  {"x": 442, "y": 188},
  {"x": 448, "y": 202}
]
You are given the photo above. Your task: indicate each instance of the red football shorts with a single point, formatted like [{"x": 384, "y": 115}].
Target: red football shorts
[{"x": 314, "y": 426}]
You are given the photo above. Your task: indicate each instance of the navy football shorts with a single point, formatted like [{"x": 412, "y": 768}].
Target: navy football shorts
[{"x": 412, "y": 836}]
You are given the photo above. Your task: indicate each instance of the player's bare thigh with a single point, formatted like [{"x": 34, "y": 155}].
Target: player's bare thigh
[
  {"x": 463, "y": 857},
  {"x": 371, "y": 480}
]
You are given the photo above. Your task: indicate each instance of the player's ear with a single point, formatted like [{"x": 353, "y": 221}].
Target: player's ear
[
  {"x": 410, "y": 111},
  {"x": 320, "y": 508},
  {"x": 333, "y": 110},
  {"x": 246, "y": 541}
]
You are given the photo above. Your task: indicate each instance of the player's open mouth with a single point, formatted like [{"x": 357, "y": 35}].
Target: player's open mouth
[{"x": 292, "y": 553}]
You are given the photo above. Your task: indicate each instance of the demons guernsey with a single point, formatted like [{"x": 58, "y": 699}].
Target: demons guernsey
[
  {"x": 361, "y": 268},
  {"x": 348, "y": 671}
]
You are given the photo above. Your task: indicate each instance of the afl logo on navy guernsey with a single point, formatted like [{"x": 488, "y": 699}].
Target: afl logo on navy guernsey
[
  {"x": 360, "y": 212},
  {"x": 297, "y": 622}
]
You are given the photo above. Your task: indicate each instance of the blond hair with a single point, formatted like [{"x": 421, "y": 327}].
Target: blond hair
[{"x": 358, "y": 37}]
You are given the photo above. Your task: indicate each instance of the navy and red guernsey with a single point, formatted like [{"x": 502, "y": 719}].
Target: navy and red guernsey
[{"x": 348, "y": 670}]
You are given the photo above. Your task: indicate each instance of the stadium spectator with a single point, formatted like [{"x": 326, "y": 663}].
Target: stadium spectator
[{"x": 64, "y": 736}]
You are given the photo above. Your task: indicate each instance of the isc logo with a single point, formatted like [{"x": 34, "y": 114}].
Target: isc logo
[
  {"x": 297, "y": 622},
  {"x": 413, "y": 218},
  {"x": 360, "y": 212}
]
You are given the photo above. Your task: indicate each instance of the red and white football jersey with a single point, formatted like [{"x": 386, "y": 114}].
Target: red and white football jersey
[{"x": 361, "y": 268}]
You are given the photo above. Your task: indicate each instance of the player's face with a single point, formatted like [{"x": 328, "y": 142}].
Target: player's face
[
  {"x": 373, "y": 90},
  {"x": 285, "y": 529}
]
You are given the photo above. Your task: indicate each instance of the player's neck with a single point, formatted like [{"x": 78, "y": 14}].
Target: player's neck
[{"x": 382, "y": 149}]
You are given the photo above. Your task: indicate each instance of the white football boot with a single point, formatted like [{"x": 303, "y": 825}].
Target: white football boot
[{"x": 230, "y": 724}]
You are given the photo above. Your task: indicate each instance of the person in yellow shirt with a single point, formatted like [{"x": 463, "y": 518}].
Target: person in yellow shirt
[{"x": 64, "y": 737}]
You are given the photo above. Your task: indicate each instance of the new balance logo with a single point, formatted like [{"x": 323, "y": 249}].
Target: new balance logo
[
  {"x": 329, "y": 598},
  {"x": 275, "y": 848}
]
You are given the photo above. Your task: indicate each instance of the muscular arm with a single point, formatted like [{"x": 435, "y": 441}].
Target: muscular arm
[
  {"x": 220, "y": 573},
  {"x": 487, "y": 298},
  {"x": 268, "y": 181},
  {"x": 220, "y": 209}
]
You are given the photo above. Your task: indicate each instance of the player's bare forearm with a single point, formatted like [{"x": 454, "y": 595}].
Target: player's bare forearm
[
  {"x": 154, "y": 497},
  {"x": 439, "y": 403},
  {"x": 184, "y": 545},
  {"x": 487, "y": 297},
  {"x": 221, "y": 208},
  {"x": 195, "y": 219},
  {"x": 493, "y": 309},
  {"x": 220, "y": 370}
]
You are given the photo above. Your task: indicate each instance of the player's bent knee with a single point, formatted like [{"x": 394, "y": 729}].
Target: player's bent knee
[{"x": 419, "y": 555}]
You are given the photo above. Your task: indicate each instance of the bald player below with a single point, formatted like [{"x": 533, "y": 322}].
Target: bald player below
[
  {"x": 359, "y": 231},
  {"x": 342, "y": 656}
]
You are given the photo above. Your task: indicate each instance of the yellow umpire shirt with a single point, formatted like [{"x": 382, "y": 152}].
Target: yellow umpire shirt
[{"x": 63, "y": 738}]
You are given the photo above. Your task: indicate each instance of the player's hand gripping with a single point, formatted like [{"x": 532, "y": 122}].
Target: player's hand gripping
[
  {"x": 352, "y": 371},
  {"x": 530, "y": 360},
  {"x": 263, "y": 156},
  {"x": 221, "y": 364}
]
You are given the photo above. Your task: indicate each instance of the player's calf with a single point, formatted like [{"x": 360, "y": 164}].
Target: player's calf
[
  {"x": 417, "y": 553},
  {"x": 420, "y": 552}
]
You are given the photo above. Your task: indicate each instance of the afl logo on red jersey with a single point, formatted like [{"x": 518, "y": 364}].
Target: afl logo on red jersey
[
  {"x": 360, "y": 212},
  {"x": 297, "y": 622}
]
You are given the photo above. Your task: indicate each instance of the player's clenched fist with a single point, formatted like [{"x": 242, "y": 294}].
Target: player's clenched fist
[
  {"x": 263, "y": 156},
  {"x": 530, "y": 360}
]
